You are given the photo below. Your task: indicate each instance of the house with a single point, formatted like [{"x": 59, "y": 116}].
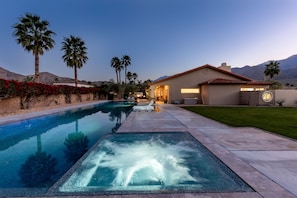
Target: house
[{"x": 207, "y": 85}]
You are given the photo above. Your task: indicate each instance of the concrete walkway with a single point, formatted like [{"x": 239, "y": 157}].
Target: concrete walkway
[{"x": 267, "y": 162}]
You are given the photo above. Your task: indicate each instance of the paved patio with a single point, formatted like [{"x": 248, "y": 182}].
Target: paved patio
[{"x": 267, "y": 162}]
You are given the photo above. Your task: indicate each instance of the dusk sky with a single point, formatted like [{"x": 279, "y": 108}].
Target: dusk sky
[{"x": 162, "y": 37}]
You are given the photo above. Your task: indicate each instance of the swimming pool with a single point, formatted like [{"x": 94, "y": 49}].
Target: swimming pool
[
  {"x": 156, "y": 162},
  {"x": 36, "y": 152}
]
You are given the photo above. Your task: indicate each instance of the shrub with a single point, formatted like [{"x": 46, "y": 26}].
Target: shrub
[{"x": 28, "y": 89}]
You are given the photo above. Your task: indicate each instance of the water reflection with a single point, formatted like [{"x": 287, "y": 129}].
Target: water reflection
[
  {"x": 48, "y": 146},
  {"x": 76, "y": 145},
  {"x": 12, "y": 133},
  {"x": 38, "y": 169},
  {"x": 116, "y": 113}
]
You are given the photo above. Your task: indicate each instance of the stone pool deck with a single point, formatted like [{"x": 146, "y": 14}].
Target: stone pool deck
[{"x": 267, "y": 162}]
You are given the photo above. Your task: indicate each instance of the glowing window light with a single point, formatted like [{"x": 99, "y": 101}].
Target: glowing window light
[
  {"x": 252, "y": 89},
  {"x": 189, "y": 90},
  {"x": 247, "y": 89},
  {"x": 259, "y": 89}
]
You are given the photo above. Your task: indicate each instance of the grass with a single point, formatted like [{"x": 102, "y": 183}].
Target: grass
[{"x": 279, "y": 120}]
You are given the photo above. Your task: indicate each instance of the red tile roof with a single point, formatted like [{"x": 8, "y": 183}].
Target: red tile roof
[{"x": 200, "y": 68}]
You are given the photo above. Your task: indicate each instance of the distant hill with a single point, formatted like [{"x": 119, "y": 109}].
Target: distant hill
[
  {"x": 7, "y": 75},
  {"x": 288, "y": 74},
  {"x": 45, "y": 77},
  {"x": 160, "y": 78}
]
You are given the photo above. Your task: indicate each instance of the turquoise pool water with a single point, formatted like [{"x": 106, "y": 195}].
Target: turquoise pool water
[
  {"x": 35, "y": 153},
  {"x": 158, "y": 162}
]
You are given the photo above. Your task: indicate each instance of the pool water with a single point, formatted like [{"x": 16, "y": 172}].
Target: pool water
[
  {"x": 35, "y": 153},
  {"x": 155, "y": 162}
]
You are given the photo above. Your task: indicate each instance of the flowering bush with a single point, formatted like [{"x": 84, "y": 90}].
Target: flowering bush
[{"x": 27, "y": 89}]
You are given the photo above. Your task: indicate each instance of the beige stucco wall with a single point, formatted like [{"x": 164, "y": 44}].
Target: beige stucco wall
[
  {"x": 190, "y": 80},
  {"x": 289, "y": 96},
  {"x": 254, "y": 98},
  {"x": 220, "y": 94},
  {"x": 205, "y": 94}
]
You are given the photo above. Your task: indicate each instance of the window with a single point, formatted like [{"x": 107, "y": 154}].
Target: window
[
  {"x": 189, "y": 90},
  {"x": 259, "y": 89},
  {"x": 246, "y": 89},
  {"x": 252, "y": 89}
]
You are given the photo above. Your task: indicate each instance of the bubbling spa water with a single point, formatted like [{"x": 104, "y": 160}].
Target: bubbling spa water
[{"x": 150, "y": 162}]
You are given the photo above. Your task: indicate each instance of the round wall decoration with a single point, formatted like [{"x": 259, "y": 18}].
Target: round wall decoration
[{"x": 267, "y": 96}]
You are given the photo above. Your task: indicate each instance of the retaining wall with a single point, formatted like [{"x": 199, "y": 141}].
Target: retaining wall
[{"x": 11, "y": 105}]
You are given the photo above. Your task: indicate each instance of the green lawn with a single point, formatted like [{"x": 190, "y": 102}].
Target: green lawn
[{"x": 280, "y": 120}]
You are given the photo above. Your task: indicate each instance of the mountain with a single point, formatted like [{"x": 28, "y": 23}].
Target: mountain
[
  {"x": 160, "y": 78},
  {"x": 45, "y": 77},
  {"x": 287, "y": 75},
  {"x": 49, "y": 78},
  {"x": 7, "y": 75}
]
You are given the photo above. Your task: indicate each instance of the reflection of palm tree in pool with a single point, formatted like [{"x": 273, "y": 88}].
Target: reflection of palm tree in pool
[
  {"x": 116, "y": 114},
  {"x": 76, "y": 145},
  {"x": 38, "y": 168}
]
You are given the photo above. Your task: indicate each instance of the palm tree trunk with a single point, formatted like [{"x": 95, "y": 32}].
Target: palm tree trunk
[
  {"x": 125, "y": 73},
  {"x": 75, "y": 75},
  {"x": 117, "y": 77},
  {"x": 36, "y": 68}
]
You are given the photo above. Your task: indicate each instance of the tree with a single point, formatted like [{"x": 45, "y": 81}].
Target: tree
[
  {"x": 134, "y": 76},
  {"x": 129, "y": 76},
  {"x": 34, "y": 36},
  {"x": 272, "y": 69},
  {"x": 29, "y": 79},
  {"x": 125, "y": 62},
  {"x": 116, "y": 64},
  {"x": 75, "y": 53}
]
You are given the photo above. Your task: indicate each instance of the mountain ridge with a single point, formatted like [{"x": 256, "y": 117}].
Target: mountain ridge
[
  {"x": 44, "y": 77},
  {"x": 287, "y": 75}
]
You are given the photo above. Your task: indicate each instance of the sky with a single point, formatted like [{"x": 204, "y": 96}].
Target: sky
[{"x": 162, "y": 37}]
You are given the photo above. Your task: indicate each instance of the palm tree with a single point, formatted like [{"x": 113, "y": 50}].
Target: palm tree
[
  {"x": 134, "y": 76},
  {"x": 116, "y": 64},
  {"x": 34, "y": 36},
  {"x": 129, "y": 76},
  {"x": 126, "y": 61},
  {"x": 272, "y": 69},
  {"x": 75, "y": 53}
]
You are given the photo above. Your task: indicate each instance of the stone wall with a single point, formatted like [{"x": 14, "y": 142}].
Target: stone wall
[{"x": 12, "y": 105}]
